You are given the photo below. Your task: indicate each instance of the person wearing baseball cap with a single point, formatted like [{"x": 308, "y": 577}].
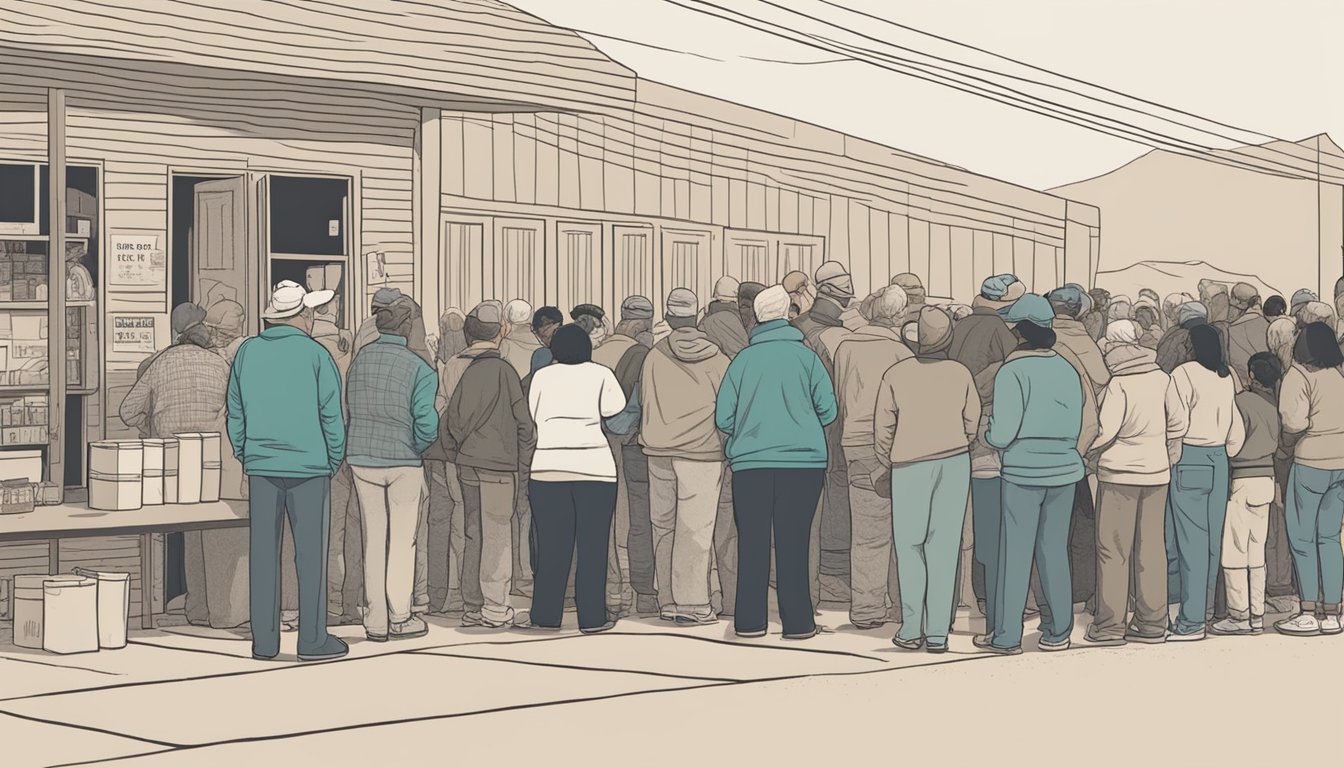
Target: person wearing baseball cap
[
  {"x": 1037, "y": 423},
  {"x": 286, "y": 426},
  {"x": 774, "y": 405}
]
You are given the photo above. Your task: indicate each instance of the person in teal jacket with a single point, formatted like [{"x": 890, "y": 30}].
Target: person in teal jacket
[
  {"x": 775, "y": 400},
  {"x": 1037, "y": 421},
  {"x": 286, "y": 425}
]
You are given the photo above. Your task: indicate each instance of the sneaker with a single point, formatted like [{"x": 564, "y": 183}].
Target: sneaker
[
  {"x": 1257, "y": 625},
  {"x": 490, "y": 623},
  {"x": 867, "y": 625},
  {"x": 1133, "y": 635},
  {"x": 1062, "y": 645},
  {"x": 936, "y": 646},
  {"x": 908, "y": 645},
  {"x": 611, "y": 623},
  {"x": 1230, "y": 627},
  {"x": 984, "y": 642},
  {"x": 375, "y": 637},
  {"x": 1185, "y": 637},
  {"x": 817, "y": 629},
  {"x": 696, "y": 620},
  {"x": 473, "y": 619},
  {"x": 1016, "y": 650},
  {"x": 749, "y": 634},
  {"x": 1330, "y": 625},
  {"x": 525, "y": 624},
  {"x": 333, "y": 648},
  {"x": 1301, "y": 625},
  {"x": 264, "y": 657},
  {"x": 411, "y": 628},
  {"x": 1092, "y": 638}
]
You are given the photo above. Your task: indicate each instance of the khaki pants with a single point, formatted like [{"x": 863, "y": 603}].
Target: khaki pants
[
  {"x": 1131, "y": 543},
  {"x": 620, "y": 595},
  {"x": 1243, "y": 555},
  {"x": 683, "y": 506},
  {"x": 873, "y": 584},
  {"x": 390, "y": 499},
  {"x": 488, "y": 498}
]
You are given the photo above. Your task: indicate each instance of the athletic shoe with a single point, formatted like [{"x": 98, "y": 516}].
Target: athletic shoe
[
  {"x": 411, "y": 628},
  {"x": 598, "y": 630},
  {"x": 1231, "y": 627},
  {"x": 1301, "y": 625},
  {"x": 1062, "y": 645},
  {"x": 1330, "y": 625},
  {"x": 333, "y": 648},
  {"x": 908, "y": 645}
]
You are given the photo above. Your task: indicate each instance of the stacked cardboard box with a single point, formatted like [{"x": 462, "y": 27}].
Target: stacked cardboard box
[{"x": 23, "y": 420}]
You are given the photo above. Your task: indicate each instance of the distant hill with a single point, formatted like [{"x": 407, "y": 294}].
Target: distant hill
[
  {"x": 1166, "y": 207},
  {"x": 1172, "y": 277}
]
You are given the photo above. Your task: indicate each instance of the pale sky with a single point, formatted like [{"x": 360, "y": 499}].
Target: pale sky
[{"x": 1270, "y": 67}]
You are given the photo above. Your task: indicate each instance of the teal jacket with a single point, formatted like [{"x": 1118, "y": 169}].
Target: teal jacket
[
  {"x": 1038, "y": 416},
  {"x": 774, "y": 402},
  {"x": 284, "y": 406}
]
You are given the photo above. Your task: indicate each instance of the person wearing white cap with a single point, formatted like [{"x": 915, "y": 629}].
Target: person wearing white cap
[
  {"x": 519, "y": 341},
  {"x": 286, "y": 425},
  {"x": 774, "y": 404}
]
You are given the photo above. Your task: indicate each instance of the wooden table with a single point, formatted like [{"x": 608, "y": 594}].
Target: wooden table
[{"x": 70, "y": 521}]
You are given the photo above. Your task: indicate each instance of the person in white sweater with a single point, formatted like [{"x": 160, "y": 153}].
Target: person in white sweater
[
  {"x": 1139, "y": 420},
  {"x": 1211, "y": 430},
  {"x": 573, "y": 482}
]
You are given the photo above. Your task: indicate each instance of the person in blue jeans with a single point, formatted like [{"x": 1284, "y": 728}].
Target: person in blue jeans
[
  {"x": 1037, "y": 423},
  {"x": 1206, "y": 420},
  {"x": 1311, "y": 408}
]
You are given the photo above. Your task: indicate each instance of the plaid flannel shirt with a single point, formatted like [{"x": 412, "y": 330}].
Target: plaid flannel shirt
[
  {"x": 183, "y": 390},
  {"x": 390, "y": 402}
]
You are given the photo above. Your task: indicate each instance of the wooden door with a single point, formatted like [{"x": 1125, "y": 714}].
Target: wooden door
[
  {"x": 632, "y": 258},
  {"x": 686, "y": 261},
  {"x": 752, "y": 259},
  {"x": 219, "y": 253},
  {"x": 462, "y": 258},
  {"x": 577, "y": 277},
  {"x": 520, "y": 251}
]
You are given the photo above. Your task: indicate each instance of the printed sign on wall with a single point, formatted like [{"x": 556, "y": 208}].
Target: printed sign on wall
[
  {"x": 133, "y": 333},
  {"x": 138, "y": 261}
]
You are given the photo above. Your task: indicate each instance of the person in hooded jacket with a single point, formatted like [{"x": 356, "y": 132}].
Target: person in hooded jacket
[
  {"x": 679, "y": 384},
  {"x": 926, "y": 417},
  {"x": 1037, "y": 424},
  {"x": 860, "y": 362},
  {"x": 1211, "y": 431},
  {"x": 1137, "y": 424},
  {"x": 983, "y": 339},
  {"x": 774, "y": 405},
  {"x": 1248, "y": 332},
  {"x": 1311, "y": 406},
  {"x": 722, "y": 322}
]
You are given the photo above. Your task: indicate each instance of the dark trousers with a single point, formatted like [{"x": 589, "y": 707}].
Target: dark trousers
[
  {"x": 1083, "y": 543},
  {"x": 640, "y": 539},
  {"x": 782, "y": 502},
  {"x": 305, "y": 501},
  {"x": 565, "y": 517}
]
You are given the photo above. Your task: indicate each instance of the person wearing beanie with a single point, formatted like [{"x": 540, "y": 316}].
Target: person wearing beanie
[
  {"x": 722, "y": 322},
  {"x": 1252, "y": 492},
  {"x": 1137, "y": 423},
  {"x": 774, "y": 405},
  {"x": 1311, "y": 407},
  {"x": 630, "y": 587},
  {"x": 679, "y": 384},
  {"x": 1247, "y": 332},
  {"x": 983, "y": 339},
  {"x": 860, "y": 362},
  {"x": 1037, "y": 424},
  {"x": 926, "y": 417},
  {"x": 519, "y": 342},
  {"x": 226, "y": 321},
  {"x": 1174, "y": 349},
  {"x": 1301, "y": 298},
  {"x": 573, "y": 483},
  {"x": 915, "y": 295},
  {"x": 488, "y": 432},
  {"x": 835, "y": 292}
]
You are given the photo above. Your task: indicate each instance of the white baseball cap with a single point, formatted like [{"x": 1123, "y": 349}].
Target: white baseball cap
[{"x": 289, "y": 299}]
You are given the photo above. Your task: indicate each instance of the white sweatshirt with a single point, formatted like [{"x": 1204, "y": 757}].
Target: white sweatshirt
[
  {"x": 1206, "y": 415},
  {"x": 1139, "y": 413},
  {"x": 568, "y": 404}
]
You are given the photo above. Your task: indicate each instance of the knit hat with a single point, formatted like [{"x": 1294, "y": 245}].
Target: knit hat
[
  {"x": 935, "y": 330},
  {"x": 591, "y": 310},
  {"x": 771, "y": 304},
  {"x": 186, "y": 315},
  {"x": 1031, "y": 308},
  {"x": 834, "y": 281},
  {"x": 888, "y": 306},
  {"x": 1070, "y": 298},
  {"x": 910, "y": 283},
  {"x": 488, "y": 317},
  {"x": 225, "y": 314},
  {"x": 682, "y": 303},
  {"x": 749, "y": 290},
  {"x": 1191, "y": 310},
  {"x": 518, "y": 312},
  {"x": 726, "y": 289},
  {"x": 1122, "y": 332},
  {"x": 636, "y": 308},
  {"x": 383, "y": 297},
  {"x": 1244, "y": 295},
  {"x": 1301, "y": 298}
]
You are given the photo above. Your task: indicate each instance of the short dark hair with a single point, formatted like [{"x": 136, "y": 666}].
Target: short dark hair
[
  {"x": 1275, "y": 306},
  {"x": 571, "y": 345},
  {"x": 1036, "y": 336},
  {"x": 1266, "y": 368},
  {"x": 547, "y": 316},
  {"x": 1316, "y": 346},
  {"x": 1208, "y": 348},
  {"x": 1146, "y": 317}
]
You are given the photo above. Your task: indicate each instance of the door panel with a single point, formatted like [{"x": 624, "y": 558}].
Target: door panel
[
  {"x": 752, "y": 259},
  {"x": 632, "y": 253},
  {"x": 578, "y": 276},
  {"x": 686, "y": 264},
  {"x": 520, "y": 251},
  {"x": 463, "y": 247},
  {"x": 219, "y": 244}
]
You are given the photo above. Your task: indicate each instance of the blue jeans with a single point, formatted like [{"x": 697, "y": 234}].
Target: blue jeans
[
  {"x": 928, "y": 512},
  {"x": 1035, "y": 521},
  {"x": 305, "y": 501},
  {"x": 1197, "y": 499},
  {"x": 986, "y": 517},
  {"x": 1314, "y": 516}
]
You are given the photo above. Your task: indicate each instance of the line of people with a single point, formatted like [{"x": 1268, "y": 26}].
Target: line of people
[{"x": 1127, "y": 454}]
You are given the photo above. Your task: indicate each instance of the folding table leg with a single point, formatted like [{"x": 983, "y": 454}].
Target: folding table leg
[{"x": 147, "y": 581}]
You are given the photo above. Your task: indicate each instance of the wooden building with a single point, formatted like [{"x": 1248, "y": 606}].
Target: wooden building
[{"x": 457, "y": 150}]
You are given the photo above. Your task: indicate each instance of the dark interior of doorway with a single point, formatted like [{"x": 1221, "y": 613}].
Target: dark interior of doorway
[{"x": 184, "y": 214}]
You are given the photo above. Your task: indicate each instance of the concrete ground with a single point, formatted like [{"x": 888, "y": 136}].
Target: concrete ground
[{"x": 649, "y": 693}]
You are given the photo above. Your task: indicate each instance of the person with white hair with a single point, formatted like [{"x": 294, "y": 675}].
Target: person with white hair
[
  {"x": 774, "y": 405},
  {"x": 519, "y": 340},
  {"x": 860, "y": 362}
]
